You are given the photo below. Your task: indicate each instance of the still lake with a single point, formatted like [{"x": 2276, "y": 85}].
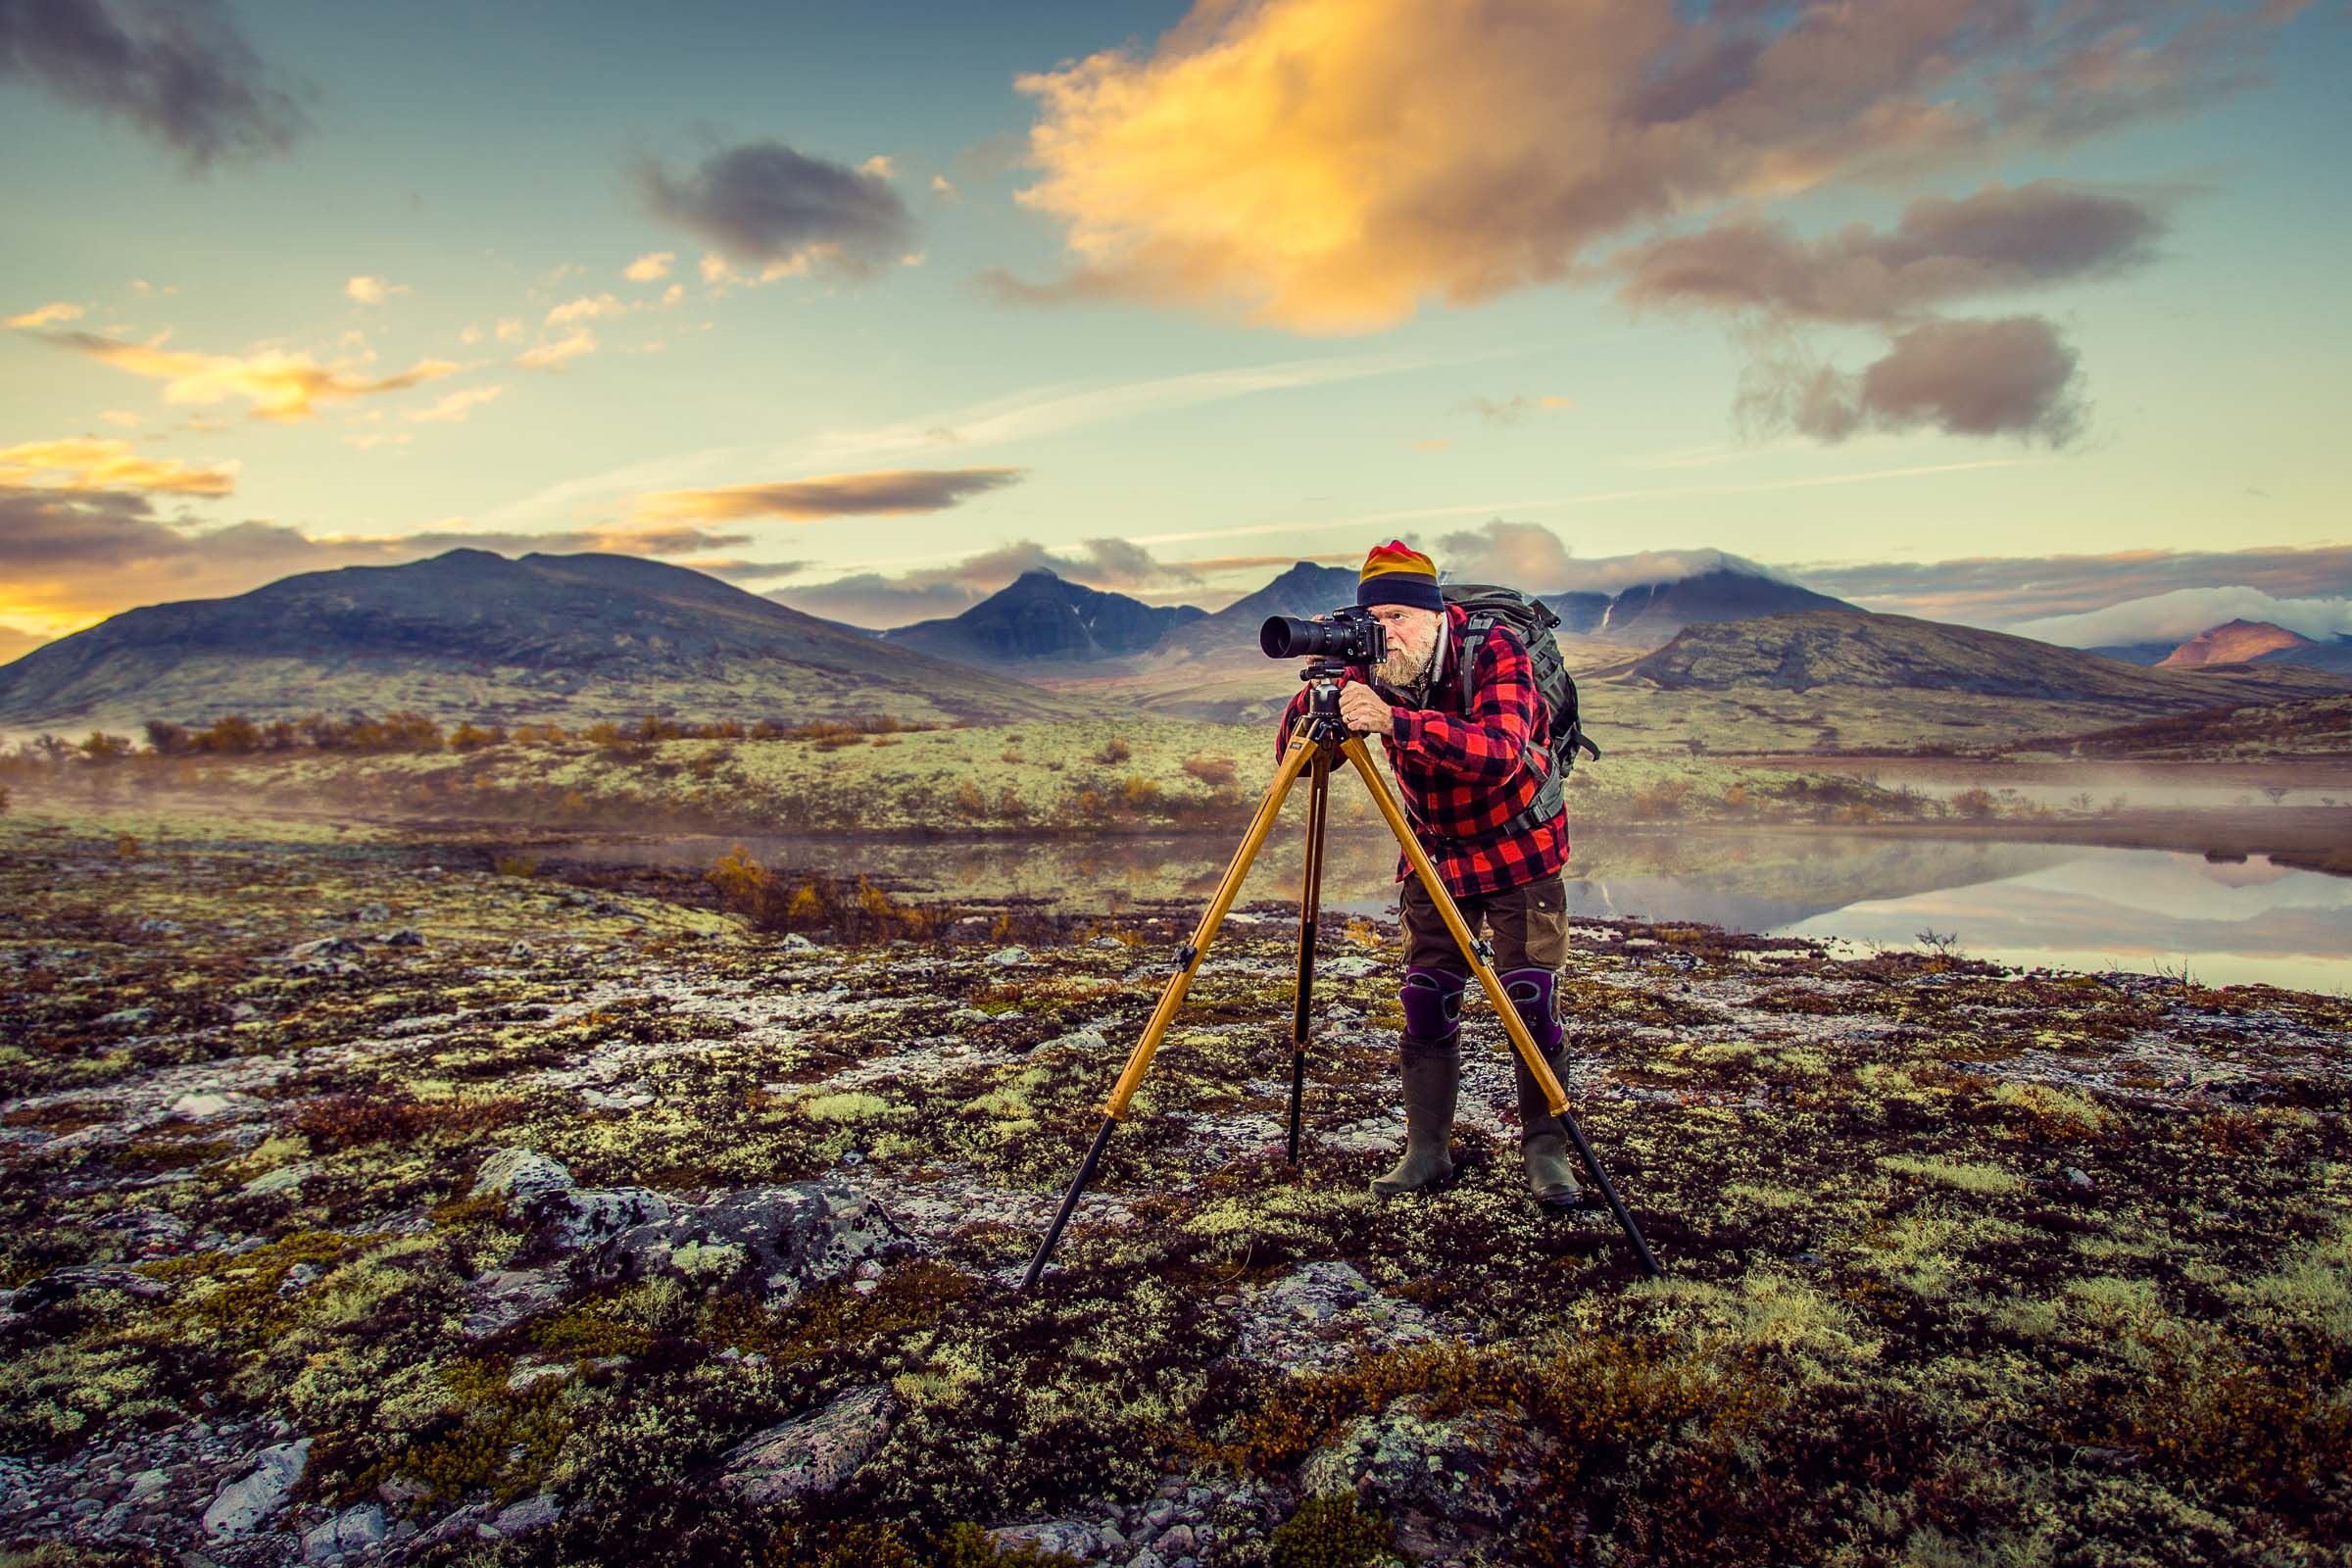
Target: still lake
[{"x": 2061, "y": 906}]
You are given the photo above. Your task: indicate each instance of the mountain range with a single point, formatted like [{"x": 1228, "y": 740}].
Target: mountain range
[
  {"x": 469, "y": 634},
  {"x": 1040, "y": 617},
  {"x": 473, "y": 634}
]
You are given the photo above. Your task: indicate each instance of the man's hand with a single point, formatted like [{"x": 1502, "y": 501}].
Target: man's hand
[{"x": 1364, "y": 711}]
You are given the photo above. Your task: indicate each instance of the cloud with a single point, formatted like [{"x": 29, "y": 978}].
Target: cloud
[
  {"x": 1530, "y": 556},
  {"x": 651, "y": 268},
  {"x": 122, "y": 419},
  {"x": 878, "y": 599},
  {"x": 942, "y": 187},
  {"x": 177, "y": 70},
  {"x": 585, "y": 308},
  {"x": 2183, "y": 613},
  {"x": 1994, "y": 241},
  {"x": 2012, "y": 377},
  {"x": 1525, "y": 555},
  {"x": 1335, "y": 166},
  {"x": 548, "y": 356},
  {"x": 879, "y": 166},
  {"x": 368, "y": 290},
  {"x": 1512, "y": 410},
  {"x": 2012, "y": 592},
  {"x": 108, "y": 466},
  {"x": 457, "y": 405},
  {"x": 58, "y": 310},
  {"x": 280, "y": 385},
  {"x": 72, "y": 556},
  {"x": 15, "y": 644},
  {"x": 835, "y": 494},
  {"x": 765, "y": 202}
]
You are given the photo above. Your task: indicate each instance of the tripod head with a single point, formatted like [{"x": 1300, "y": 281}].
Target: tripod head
[{"x": 1322, "y": 676}]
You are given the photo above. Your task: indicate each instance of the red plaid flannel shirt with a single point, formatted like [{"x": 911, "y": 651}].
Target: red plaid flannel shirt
[{"x": 1461, "y": 775}]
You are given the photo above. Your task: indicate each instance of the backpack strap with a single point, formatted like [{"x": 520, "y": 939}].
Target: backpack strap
[{"x": 1550, "y": 800}]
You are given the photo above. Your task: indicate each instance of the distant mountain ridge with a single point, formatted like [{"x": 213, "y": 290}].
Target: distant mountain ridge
[
  {"x": 468, "y": 633},
  {"x": 2232, "y": 641},
  {"x": 1304, "y": 589},
  {"x": 1658, "y": 610},
  {"x": 1040, "y": 616},
  {"x": 1810, "y": 649},
  {"x": 2239, "y": 642}
]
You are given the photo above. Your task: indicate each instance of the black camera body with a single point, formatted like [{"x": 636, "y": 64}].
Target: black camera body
[{"x": 1351, "y": 635}]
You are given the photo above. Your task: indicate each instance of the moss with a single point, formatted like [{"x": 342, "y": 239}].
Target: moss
[{"x": 1329, "y": 1532}]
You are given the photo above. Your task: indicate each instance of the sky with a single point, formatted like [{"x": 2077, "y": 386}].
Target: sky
[{"x": 2025, "y": 313}]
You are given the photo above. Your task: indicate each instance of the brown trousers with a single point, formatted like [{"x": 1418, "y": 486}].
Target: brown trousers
[{"x": 1530, "y": 925}]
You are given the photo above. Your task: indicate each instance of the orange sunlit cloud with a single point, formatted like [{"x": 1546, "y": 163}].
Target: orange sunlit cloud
[
  {"x": 651, "y": 268},
  {"x": 893, "y": 492},
  {"x": 57, "y": 310},
  {"x": 280, "y": 385},
  {"x": 548, "y": 356},
  {"x": 1330, "y": 165},
  {"x": 89, "y": 465},
  {"x": 585, "y": 308}
]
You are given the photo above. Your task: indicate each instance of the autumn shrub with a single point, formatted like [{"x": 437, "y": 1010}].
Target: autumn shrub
[
  {"x": 471, "y": 737},
  {"x": 352, "y": 1121},
  {"x": 102, "y": 748},
  {"x": 1214, "y": 771},
  {"x": 1138, "y": 794},
  {"x": 1114, "y": 751},
  {"x": 1666, "y": 798},
  {"x": 781, "y": 903},
  {"x": 1975, "y": 803}
]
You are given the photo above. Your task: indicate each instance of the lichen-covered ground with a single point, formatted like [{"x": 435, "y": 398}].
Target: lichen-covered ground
[{"x": 1964, "y": 1267}]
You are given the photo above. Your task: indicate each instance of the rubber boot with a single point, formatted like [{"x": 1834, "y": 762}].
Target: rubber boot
[
  {"x": 1543, "y": 1138},
  {"x": 1433, "y": 1081}
]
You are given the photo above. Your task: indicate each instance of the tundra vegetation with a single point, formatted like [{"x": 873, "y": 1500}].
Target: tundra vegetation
[{"x": 345, "y": 1163}]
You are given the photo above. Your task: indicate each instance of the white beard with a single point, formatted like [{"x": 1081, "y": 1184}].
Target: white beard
[{"x": 1401, "y": 670}]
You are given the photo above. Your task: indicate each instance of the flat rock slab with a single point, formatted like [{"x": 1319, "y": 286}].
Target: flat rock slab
[
  {"x": 784, "y": 1238},
  {"x": 1325, "y": 1314},
  {"x": 244, "y": 1505},
  {"x": 813, "y": 1454}
]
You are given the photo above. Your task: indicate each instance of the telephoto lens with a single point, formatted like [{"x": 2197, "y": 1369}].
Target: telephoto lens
[{"x": 1351, "y": 636}]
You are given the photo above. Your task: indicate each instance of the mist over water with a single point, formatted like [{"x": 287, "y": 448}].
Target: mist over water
[{"x": 2017, "y": 903}]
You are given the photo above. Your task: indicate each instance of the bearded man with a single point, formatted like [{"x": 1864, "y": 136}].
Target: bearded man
[{"x": 1469, "y": 776}]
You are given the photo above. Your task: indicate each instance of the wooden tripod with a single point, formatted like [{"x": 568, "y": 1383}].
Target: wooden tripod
[{"x": 1320, "y": 739}]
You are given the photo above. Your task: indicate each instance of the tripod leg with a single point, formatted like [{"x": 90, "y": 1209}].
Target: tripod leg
[
  {"x": 1473, "y": 953},
  {"x": 1310, "y": 910},
  {"x": 1294, "y": 761}
]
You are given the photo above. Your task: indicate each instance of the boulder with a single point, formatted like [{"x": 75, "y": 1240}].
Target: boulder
[
  {"x": 355, "y": 1532},
  {"x": 521, "y": 1517},
  {"x": 526, "y": 1173},
  {"x": 245, "y": 1505},
  {"x": 813, "y": 1453},
  {"x": 1070, "y": 1538},
  {"x": 785, "y": 1238}
]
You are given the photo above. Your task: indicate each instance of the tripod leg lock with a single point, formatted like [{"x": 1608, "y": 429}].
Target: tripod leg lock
[
  {"x": 1186, "y": 955},
  {"x": 1483, "y": 950}
]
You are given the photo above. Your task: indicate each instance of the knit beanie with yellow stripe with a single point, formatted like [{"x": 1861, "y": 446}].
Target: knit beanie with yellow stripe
[{"x": 1394, "y": 573}]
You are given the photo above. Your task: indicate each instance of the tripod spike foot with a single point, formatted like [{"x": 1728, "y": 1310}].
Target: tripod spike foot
[{"x": 1069, "y": 1201}]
